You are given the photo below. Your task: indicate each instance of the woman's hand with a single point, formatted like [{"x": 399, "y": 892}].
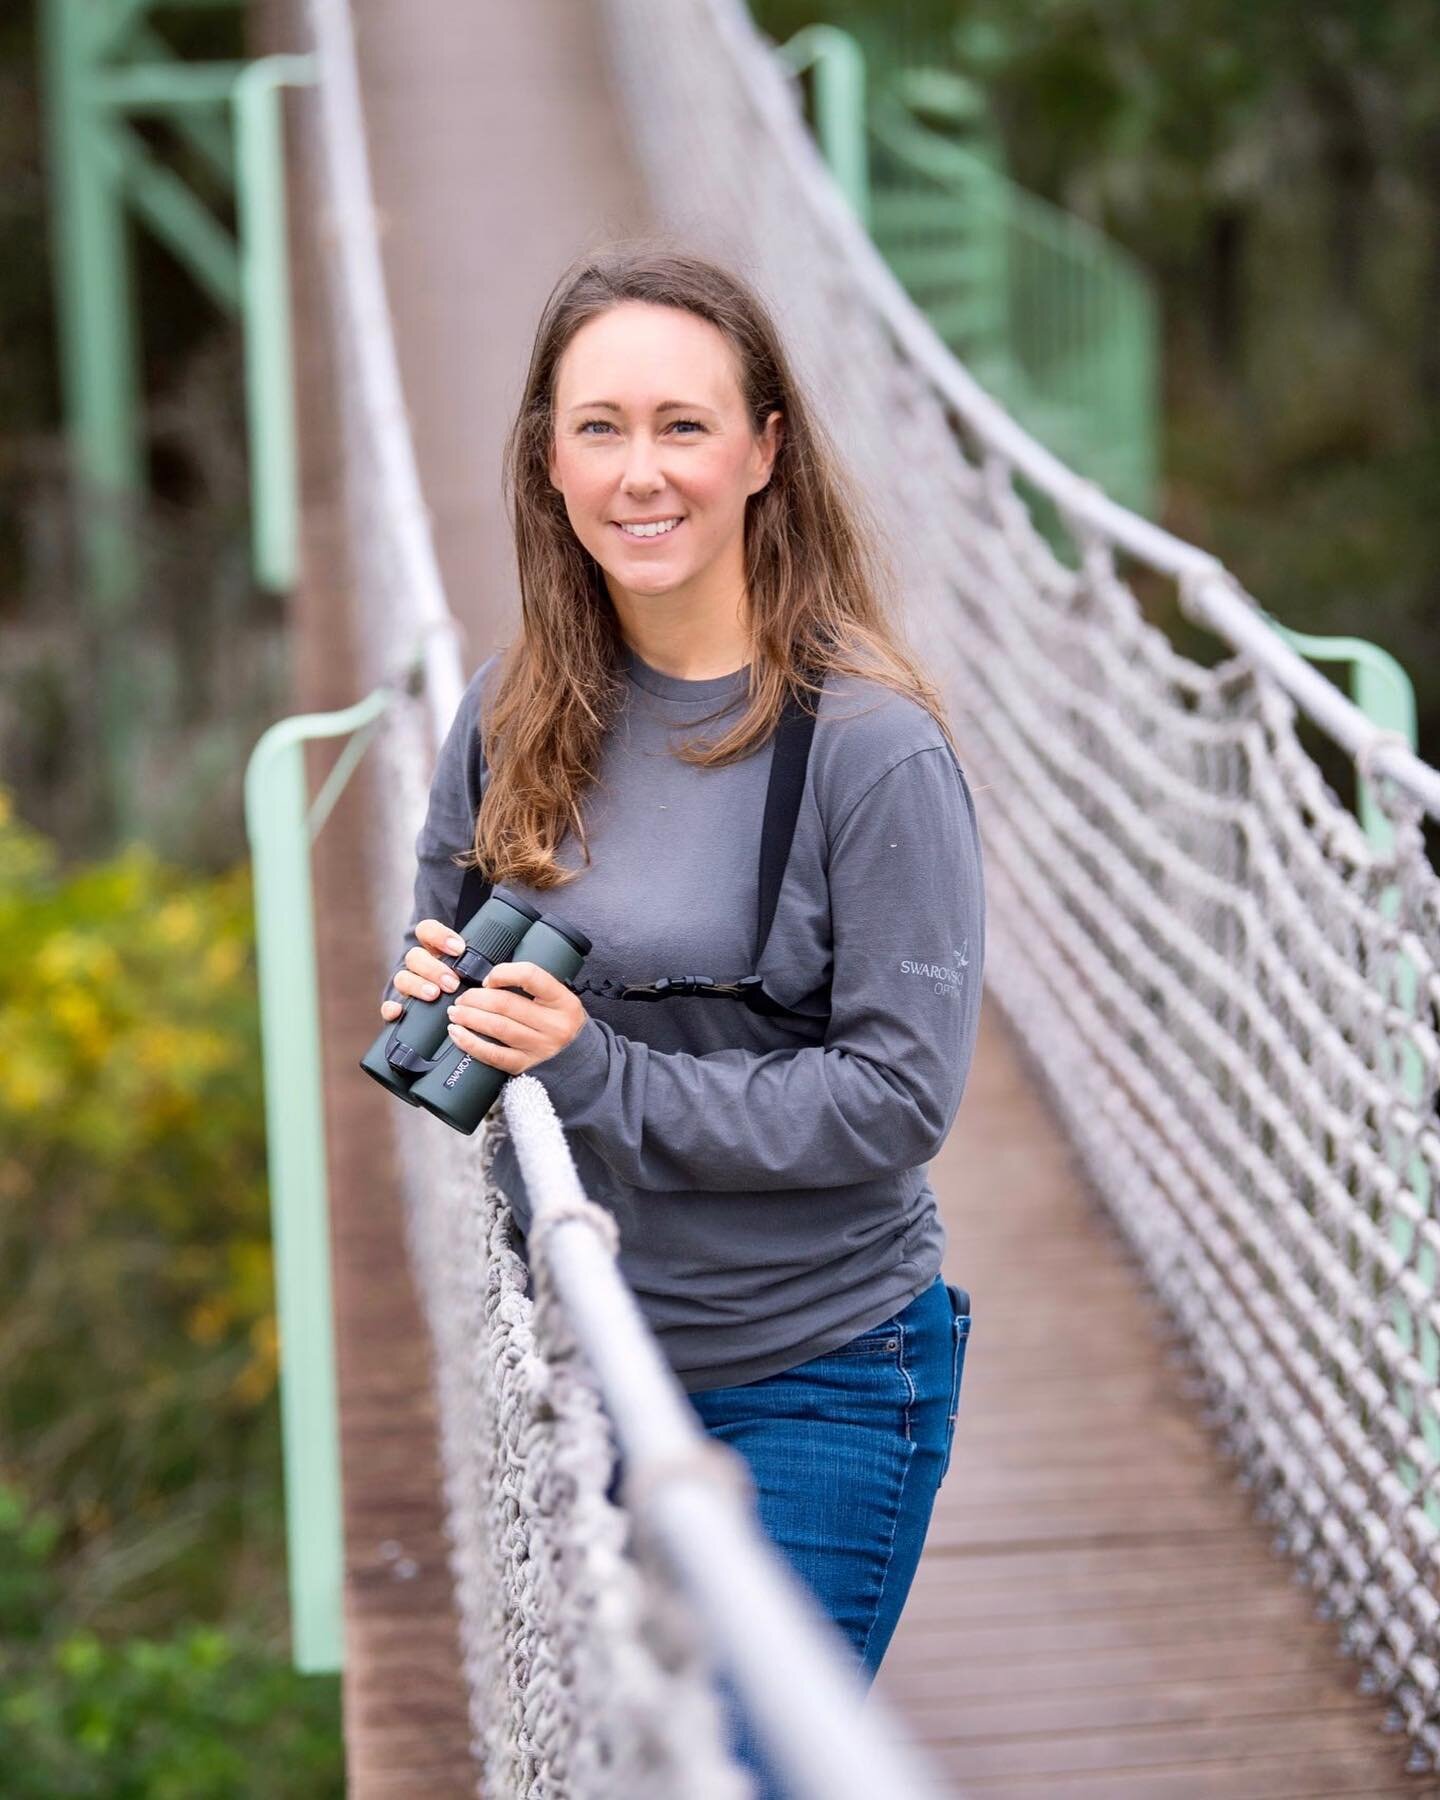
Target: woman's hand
[
  {"x": 530, "y": 1026},
  {"x": 423, "y": 975}
]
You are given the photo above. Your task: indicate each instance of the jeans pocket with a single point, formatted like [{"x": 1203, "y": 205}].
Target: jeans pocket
[{"x": 959, "y": 1338}]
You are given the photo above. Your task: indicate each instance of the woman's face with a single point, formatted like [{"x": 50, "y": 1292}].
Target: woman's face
[{"x": 650, "y": 426}]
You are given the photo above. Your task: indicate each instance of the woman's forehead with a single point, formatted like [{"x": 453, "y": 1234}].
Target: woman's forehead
[{"x": 647, "y": 358}]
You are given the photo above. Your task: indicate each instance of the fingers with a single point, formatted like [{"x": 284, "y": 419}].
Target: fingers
[
  {"x": 488, "y": 1050},
  {"x": 490, "y": 1016},
  {"x": 430, "y": 974},
  {"x": 540, "y": 983},
  {"x": 440, "y": 938},
  {"x": 424, "y": 976}
]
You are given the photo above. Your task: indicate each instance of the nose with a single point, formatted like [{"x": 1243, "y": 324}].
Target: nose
[{"x": 642, "y": 466}]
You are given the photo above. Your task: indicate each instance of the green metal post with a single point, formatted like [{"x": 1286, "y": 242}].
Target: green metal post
[
  {"x": 99, "y": 364},
  {"x": 839, "y": 99},
  {"x": 280, "y": 832},
  {"x": 264, "y": 268}
]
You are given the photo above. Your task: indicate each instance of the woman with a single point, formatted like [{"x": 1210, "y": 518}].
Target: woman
[{"x": 688, "y": 556}]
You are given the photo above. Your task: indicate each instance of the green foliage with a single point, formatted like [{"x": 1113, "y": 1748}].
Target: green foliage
[
  {"x": 198, "y": 1715},
  {"x": 138, "y": 1343}
]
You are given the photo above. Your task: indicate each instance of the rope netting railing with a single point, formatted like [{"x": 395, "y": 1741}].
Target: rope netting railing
[
  {"x": 1229, "y": 991},
  {"x": 591, "y": 1633}
]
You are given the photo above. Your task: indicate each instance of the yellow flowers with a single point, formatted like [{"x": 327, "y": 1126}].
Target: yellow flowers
[
  {"x": 130, "y": 1088},
  {"x": 178, "y": 923},
  {"x": 257, "y": 1379},
  {"x": 209, "y": 1320}
]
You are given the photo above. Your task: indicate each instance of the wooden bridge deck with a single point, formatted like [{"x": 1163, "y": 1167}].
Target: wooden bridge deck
[{"x": 1097, "y": 1616}]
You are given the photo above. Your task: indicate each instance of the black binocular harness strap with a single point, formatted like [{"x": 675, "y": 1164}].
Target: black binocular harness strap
[{"x": 789, "y": 762}]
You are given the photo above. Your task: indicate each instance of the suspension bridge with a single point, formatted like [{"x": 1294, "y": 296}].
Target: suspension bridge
[{"x": 1187, "y": 1545}]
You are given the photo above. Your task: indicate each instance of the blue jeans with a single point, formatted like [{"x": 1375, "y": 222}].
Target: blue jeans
[{"x": 847, "y": 1452}]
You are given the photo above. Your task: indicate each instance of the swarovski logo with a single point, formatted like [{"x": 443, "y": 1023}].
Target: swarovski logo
[{"x": 946, "y": 979}]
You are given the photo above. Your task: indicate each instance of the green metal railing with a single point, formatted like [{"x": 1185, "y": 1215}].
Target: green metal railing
[
  {"x": 1055, "y": 319},
  {"x": 105, "y": 68},
  {"x": 281, "y": 829},
  {"x": 838, "y": 106}
]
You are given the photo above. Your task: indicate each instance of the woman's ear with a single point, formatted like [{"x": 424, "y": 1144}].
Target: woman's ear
[{"x": 769, "y": 448}]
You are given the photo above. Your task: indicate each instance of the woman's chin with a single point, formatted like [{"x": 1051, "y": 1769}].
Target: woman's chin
[{"x": 649, "y": 581}]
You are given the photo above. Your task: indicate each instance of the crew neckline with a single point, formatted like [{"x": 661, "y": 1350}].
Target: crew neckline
[{"x": 676, "y": 687}]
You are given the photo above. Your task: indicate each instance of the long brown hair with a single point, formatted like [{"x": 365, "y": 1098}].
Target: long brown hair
[{"x": 813, "y": 568}]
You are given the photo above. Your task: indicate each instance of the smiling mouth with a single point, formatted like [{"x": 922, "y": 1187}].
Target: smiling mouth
[{"x": 647, "y": 537}]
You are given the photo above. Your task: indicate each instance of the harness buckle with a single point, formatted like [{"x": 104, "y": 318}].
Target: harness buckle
[{"x": 684, "y": 984}]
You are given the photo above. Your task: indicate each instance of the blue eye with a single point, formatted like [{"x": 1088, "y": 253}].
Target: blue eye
[{"x": 606, "y": 423}]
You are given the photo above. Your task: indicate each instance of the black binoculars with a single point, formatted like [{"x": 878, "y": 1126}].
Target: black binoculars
[{"x": 416, "y": 1058}]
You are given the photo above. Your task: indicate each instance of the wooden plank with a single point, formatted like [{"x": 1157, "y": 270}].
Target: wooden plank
[
  {"x": 1098, "y": 1614},
  {"x": 1033, "y": 1707},
  {"x": 1292, "y": 1741},
  {"x": 926, "y": 1670},
  {"x": 1329, "y": 1778}
]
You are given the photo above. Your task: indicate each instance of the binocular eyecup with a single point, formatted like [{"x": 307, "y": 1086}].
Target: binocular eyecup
[{"x": 415, "y": 1057}]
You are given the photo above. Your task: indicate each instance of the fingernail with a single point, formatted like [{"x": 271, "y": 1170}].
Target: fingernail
[
  {"x": 450, "y": 1010},
  {"x": 431, "y": 990},
  {"x": 450, "y": 982},
  {"x": 455, "y": 945}
]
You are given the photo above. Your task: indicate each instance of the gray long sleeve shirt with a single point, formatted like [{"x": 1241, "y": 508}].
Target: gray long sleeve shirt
[{"x": 768, "y": 1175}]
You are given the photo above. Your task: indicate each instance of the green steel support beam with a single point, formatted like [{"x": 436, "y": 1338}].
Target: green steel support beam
[
  {"x": 105, "y": 66},
  {"x": 122, "y": 18},
  {"x": 203, "y": 128},
  {"x": 181, "y": 221},
  {"x": 99, "y": 364},
  {"x": 280, "y": 829},
  {"x": 159, "y": 88}
]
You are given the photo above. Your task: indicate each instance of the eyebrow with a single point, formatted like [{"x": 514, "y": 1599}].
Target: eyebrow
[{"x": 664, "y": 406}]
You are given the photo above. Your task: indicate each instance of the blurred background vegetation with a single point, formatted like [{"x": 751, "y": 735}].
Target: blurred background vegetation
[
  {"x": 1276, "y": 169},
  {"x": 144, "y": 1619}
]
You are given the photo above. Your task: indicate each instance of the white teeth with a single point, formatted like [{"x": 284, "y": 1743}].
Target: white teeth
[{"x": 657, "y": 530}]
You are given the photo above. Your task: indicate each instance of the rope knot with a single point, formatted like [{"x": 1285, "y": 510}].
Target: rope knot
[{"x": 574, "y": 1207}]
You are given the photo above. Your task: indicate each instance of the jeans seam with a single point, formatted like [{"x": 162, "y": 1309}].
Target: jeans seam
[
  {"x": 895, "y": 1512},
  {"x": 954, "y": 1411},
  {"x": 905, "y": 1411}
]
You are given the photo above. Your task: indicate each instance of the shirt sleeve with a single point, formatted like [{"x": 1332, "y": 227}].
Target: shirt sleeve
[
  {"x": 449, "y": 826},
  {"x": 879, "y": 1096}
]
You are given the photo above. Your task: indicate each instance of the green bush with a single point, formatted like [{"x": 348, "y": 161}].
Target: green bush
[
  {"x": 138, "y": 1343},
  {"x": 200, "y": 1715}
]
